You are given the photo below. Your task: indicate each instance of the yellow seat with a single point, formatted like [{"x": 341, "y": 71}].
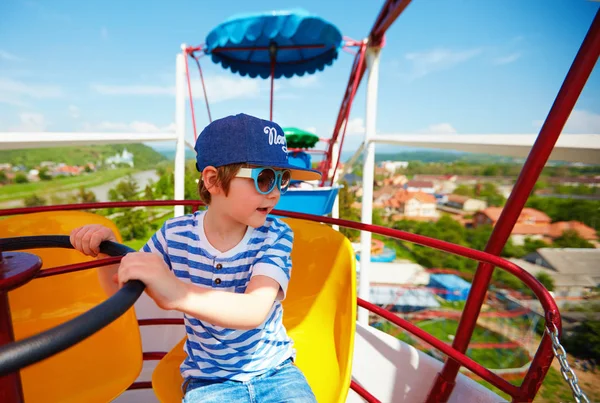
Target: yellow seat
[
  {"x": 101, "y": 367},
  {"x": 319, "y": 315}
]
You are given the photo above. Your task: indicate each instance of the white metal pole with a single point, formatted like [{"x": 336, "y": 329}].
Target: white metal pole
[
  {"x": 335, "y": 211},
  {"x": 364, "y": 283},
  {"x": 180, "y": 83}
]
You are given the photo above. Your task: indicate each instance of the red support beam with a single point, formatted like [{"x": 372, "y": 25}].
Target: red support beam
[
  {"x": 354, "y": 80},
  {"x": 360, "y": 67},
  {"x": 140, "y": 385},
  {"x": 388, "y": 14},
  {"x": 189, "y": 85},
  {"x": 11, "y": 389},
  {"x": 541, "y": 361},
  {"x": 153, "y": 355},
  {"x": 362, "y": 392},
  {"x": 578, "y": 74}
]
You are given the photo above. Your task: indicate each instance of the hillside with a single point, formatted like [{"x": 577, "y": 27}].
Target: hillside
[{"x": 144, "y": 156}]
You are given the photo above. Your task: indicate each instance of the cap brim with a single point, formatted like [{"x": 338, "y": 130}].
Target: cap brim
[{"x": 298, "y": 174}]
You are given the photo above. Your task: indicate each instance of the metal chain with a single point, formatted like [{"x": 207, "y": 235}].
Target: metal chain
[{"x": 565, "y": 369}]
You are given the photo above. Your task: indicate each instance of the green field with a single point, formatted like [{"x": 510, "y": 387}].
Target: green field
[{"x": 61, "y": 184}]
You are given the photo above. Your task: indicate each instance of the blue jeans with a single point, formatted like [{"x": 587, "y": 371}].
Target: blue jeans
[{"x": 284, "y": 383}]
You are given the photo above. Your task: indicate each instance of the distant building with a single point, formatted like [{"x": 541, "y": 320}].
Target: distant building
[
  {"x": 575, "y": 271},
  {"x": 398, "y": 299},
  {"x": 465, "y": 203},
  {"x": 420, "y": 186},
  {"x": 558, "y": 228},
  {"x": 531, "y": 223},
  {"x": 412, "y": 204},
  {"x": 393, "y": 166},
  {"x": 535, "y": 224},
  {"x": 125, "y": 158}
]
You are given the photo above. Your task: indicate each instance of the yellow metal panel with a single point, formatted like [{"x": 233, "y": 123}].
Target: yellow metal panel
[
  {"x": 319, "y": 314},
  {"x": 101, "y": 367}
]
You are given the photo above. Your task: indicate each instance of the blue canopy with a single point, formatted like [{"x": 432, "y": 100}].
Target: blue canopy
[{"x": 278, "y": 29}]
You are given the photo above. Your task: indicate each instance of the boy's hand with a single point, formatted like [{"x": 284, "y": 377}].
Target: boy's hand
[
  {"x": 87, "y": 239},
  {"x": 161, "y": 284}
]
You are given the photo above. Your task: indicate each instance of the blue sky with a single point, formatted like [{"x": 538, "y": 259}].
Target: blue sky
[{"x": 449, "y": 66}]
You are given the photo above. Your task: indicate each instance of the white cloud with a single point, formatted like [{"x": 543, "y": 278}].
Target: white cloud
[
  {"x": 305, "y": 81},
  {"x": 74, "y": 111},
  {"x": 440, "y": 128},
  {"x": 135, "y": 127},
  {"x": 218, "y": 88},
  {"x": 9, "y": 57},
  {"x": 355, "y": 126},
  {"x": 583, "y": 122},
  {"x": 30, "y": 122},
  {"x": 223, "y": 88},
  {"x": 424, "y": 63},
  {"x": 133, "y": 89},
  {"x": 104, "y": 33},
  {"x": 579, "y": 122},
  {"x": 507, "y": 59},
  {"x": 16, "y": 89},
  {"x": 8, "y": 100}
]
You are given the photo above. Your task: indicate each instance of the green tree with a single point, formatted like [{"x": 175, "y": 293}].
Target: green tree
[
  {"x": 484, "y": 191},
  {"x": 584, "y": 340},
  {"x": 3, "y": 177},
  {"x": 132, "y": 222},
  {"x": 83, "y": 196},
  {"x": 347, "y": 212},
  {"x": 531, "y": 245},
  {"x": 571, "y": 239},
  {"x": 546, "y": 280},
  {"x": 34, "y": 201},
  {"x": 489, "y": 192},
  {"x": 586, "y": 211},
  {"x": 20, "y": 177},
  {"x": 126, "y": 190},
  {"x": 44, "y": 174}
]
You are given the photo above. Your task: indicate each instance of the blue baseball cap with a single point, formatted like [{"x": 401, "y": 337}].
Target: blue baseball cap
[{"x": 245, "y": 139}]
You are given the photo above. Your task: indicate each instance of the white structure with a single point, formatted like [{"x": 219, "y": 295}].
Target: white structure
[
  {"x": 397, "y": 272},
  {"x": 125, "y": 158},
  {"x": 393, "y": 166}
]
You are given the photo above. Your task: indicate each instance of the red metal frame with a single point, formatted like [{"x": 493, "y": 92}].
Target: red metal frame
[
  {"x": 203, "y": 87},
  {"x": 362, "y": 392},
  {"x": 388, "y": 14},
  {"x": 570, "y": 90},
  {"x": 10, "y": 385},
  {"x": 189, "y": 85},
  {"x": 561, "y": 109},
  {"x": 356, "y": 74},
  {"x": 541, "y": 360}
]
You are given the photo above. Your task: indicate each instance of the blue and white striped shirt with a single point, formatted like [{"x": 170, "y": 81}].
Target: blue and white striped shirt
[{"x": 214, "y": 352}]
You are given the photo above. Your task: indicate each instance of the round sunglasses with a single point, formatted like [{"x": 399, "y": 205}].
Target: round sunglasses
[{"x": 265, "y": 179}]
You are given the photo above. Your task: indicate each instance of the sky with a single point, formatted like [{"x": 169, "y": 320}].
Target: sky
[{"x": 448, "y": 66}]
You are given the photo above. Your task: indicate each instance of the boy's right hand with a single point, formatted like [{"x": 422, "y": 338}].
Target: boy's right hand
[{"x": 87, "y": 239}]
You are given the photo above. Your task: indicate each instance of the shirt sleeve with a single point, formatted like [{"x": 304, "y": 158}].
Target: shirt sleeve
[
  {"x": 276, "y": 262},
  {"x": 157, "y": 244}
]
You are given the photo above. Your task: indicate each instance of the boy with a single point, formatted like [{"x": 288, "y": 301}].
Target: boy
[{"x": 227, "y": 268}]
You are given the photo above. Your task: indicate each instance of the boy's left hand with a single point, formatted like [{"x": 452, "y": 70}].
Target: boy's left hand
[{"x": 161, "y": 284}]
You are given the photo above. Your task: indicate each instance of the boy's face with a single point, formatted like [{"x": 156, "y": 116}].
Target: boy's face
[{"x": 245, "y": 204}]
